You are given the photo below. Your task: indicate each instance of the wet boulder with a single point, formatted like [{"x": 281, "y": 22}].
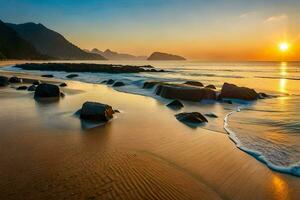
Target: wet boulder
[
  {"x": 3, "y": 81},
  {"x": 63, "y": 85},
  {"x": 31, "y": 88},
  {"x": 46, "y": 90},
  {"x": 22, "y": 87},
  {"x": 185, "y": 92},
  {"x": 47, "y": 75},
  {"x": 232, "y": 91},
  {"x": 110, "y": 82},
  {"x": 15, "y": 79},
  {"x": 212, "y": 115},
  {"x": 211, "y": 87},
  {"x": 118, "y": 84},
  {"x": 72, "y": 75},
  {"x": 191, "y": 117},
  {"x": 95, "y": 111},
  {"x": 194, "y": 83},
  {"x": 175, "y": 104}
]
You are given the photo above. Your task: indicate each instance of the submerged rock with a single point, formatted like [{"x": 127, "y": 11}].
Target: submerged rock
[
  {"x": 105, "y": 81},
  {"x": 212, "y": 115},
  {"x": 15, "y": 79},
  {"x": 191, "y": 117},
  {"x": 95, "y": 111},
  {"x": 234, "y": 92},
  {"x": 22, "y": 88},
  {"x": 45, "y": 90},
  {"x": 118, "y": 84},
  {"x": 175, "y": 104},
  {"x": 72, "y": 75},
  {"x": 31, "y": 88},
  {"x": 185, "y": 92},
  {"x": 110, "y": 82},
  {"x": 3, "y": 81},
  {"x": 211, "y": 87},
  {"x": 47, "y": 76},
  {"x": 150, "y": 84},
  {"x": 63, "y": 85},
  {"x": 194, "y": 83}
]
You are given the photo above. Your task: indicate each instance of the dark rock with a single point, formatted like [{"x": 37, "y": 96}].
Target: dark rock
[
  {"x": 192, "y": 117},
  {"x": 234, "y": 92},
  {"x": 72, "y": 75},
  {"x": 3, "y": 81},
  {"x": 22, "y": 88},
  {"x": 194, "y": 83},
  {"x": 48, "y": 76},
  {"x": 36, "y": 82},
  {"x": 175, "y": 104},
  {"x": 118, "y": 84},
  {"x": 264, "y": 96},
  {"x": 211, "y": 87},
  {"x": 110, "y": 82},
  {"x": 63, "y": 85},
  {"x": 45, "y": 90},
  {"x": 31, "y": 88},
  {"x": 96, "y": 111},
  {"x": 212, "y": 115},
  {"x": 15, "y": 79},
  {"x": 62, "y": 95},
  {"x": 150, "y": 84},
  {"x": 185, "y": 92},
  {"x": 116, "y": 111},
  {"x": 105, "y": 81}
]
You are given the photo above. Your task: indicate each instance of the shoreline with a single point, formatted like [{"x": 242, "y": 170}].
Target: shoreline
[{"x": 207, "y": 161}]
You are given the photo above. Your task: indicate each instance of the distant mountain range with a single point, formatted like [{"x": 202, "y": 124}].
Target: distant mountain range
[
  {"x": 12, "y": 46},
  {"x": 51, "y": 43},
  {"x": 111, "y": 55},
  {"x": 164, "y": 56}
]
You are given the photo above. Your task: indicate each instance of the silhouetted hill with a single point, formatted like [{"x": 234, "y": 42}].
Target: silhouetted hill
[
  {"x": 164, "y": 56},
  {"x": 111, "y": 55},
  {"x": 51, "y": 43},
  {"x": 12, "y": 46}
]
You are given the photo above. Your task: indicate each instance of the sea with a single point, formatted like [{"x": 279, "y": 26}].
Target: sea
[{"x": 267, "y": 129}]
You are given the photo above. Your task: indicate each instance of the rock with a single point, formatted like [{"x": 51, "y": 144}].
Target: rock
[
  {"x": 116, "y": 111},
  {"x": 234, "y": 92},
  {"x": 62, "y": 95},
  {"x": 105, "y": 81},
  {"x": 185, "y": 92},
  {"x": 118, "y": 84},
  {"x": 22, "y": 88},
  {"x": 191, "y": 117},
  {"x": 63, "y": 85},
  {"x": 212, "y": 115},
  {"x": 211, "y": 87},
  {"x": 72, "y": 75},
  {"x": 150, "y": 84},
  {"x": 45, "y": 90},
  {"x": 31, "y": 88},
  {"x": 3, "y": 81},
  {"x": 47, "y": 76},
  {"x": 194, "y": 83},
  {"x": 110, "y": 82},
  {"x": 226, "y": 101},
  {"x": 263, "y": 96},
  {"x": 96, "y": 111},
  {"x": 175, "y": 104},
  {"x": 15, "y": 79},
  {"x": 36, "y": 82}
]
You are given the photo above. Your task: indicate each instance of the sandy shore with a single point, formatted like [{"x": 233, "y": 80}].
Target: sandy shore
[{"x": 143, "y": 153}]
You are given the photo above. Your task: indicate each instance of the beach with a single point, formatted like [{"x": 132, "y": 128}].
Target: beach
[{"x": 143, "y": 153}]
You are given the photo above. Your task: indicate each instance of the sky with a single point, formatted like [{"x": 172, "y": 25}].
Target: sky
[{"x": 195, "y": 29}]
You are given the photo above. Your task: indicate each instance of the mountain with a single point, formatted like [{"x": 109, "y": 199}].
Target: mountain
[
  {"x": 111, "y": 55},
  {"x": 12, "y": 46},
  {"x": 164, "y": 56},
  {"x": 51, "y": 43}
]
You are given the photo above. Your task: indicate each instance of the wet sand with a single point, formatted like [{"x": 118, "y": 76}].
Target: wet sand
[{"x": 143, "y": 153}]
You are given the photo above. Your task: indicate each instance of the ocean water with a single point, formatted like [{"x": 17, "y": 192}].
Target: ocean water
[{"x": 268, "y": 129}]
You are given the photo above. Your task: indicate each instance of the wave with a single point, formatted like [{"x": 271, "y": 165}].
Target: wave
[
  {"x": 292, "y": 169},
  {"x": 278, "y": 77}
]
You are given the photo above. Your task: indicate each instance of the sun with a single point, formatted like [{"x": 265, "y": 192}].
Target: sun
[{"x": 283, "y": 46}]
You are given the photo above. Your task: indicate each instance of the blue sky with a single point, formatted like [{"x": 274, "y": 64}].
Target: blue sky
[{"x": 193, "y": 28}]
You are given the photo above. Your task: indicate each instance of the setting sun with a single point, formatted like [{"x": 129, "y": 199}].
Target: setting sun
[{"x": 283, "y": 46}]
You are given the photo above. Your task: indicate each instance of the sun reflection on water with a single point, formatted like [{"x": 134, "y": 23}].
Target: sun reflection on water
[{"x": 283, "y": 73}]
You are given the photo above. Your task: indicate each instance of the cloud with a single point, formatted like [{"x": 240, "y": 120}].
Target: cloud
[
  {"x": 276, "y": 18},
  {"x": 247, "y": 14}
]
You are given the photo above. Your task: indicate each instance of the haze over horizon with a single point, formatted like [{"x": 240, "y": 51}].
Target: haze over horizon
[{"x": 215, "y": 30}]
